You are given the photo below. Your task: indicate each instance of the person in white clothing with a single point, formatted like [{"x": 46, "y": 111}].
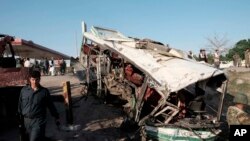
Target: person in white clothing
[
  {"x": 216, "y": 59},
  {"x": 27, "y": 63},
  {"x": 52, "y": 70}
]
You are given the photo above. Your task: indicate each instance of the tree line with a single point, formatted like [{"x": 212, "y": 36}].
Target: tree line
[{"x": 240, "y": 47}]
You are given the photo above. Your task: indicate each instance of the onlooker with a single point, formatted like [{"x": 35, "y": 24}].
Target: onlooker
[
  {"x": 46, "y": 66},
  {"x": 203, "y": 55},
  {"x": 190, "y": 55},
  {"x": 216, "y": 59},
  {"x": 52, "y": 70},
  {"x": 33, "y": 101},
  {"x": 236, "y": 60},
  {"x": 247, "y": 54},
  {"x": 52, "y": 61},
  {"x": 36, "y": 66},
  {"x": 62, "y": 67},
  {"x": 27, "y": 63},
  {"x": 41, "y": 65}
]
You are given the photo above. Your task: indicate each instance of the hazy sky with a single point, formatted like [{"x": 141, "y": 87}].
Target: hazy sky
[{"x": 183, "y": 24}]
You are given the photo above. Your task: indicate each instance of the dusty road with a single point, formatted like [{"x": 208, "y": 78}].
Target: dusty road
[{"x": 97, "y": 121}]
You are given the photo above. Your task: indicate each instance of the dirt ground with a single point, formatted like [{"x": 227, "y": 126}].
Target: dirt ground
[{"x": 97, "y": 121}]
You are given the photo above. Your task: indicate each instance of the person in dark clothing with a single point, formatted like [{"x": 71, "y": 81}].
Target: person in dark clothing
[
  {"x": 33, "y": 101},
  {"x": 203, "y": 55},
  {"x": 46, "y": 66},
  {"x": 62, "y": 66}
]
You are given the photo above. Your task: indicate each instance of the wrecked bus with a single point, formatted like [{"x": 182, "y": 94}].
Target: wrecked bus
[{"x": 170, "y": 96}]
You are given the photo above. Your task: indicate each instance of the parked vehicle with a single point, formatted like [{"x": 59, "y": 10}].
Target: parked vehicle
[
  {"x": 12, "y": 78},
  {"x": 168, "y": 95}
]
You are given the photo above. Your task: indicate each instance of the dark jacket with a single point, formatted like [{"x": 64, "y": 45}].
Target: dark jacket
[{"x": 33, "y": 104}]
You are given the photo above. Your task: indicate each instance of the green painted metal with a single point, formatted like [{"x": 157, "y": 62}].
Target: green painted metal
[{"x": 168, "y": 137}]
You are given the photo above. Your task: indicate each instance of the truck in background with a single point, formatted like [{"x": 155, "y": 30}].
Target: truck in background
[{"x": 12, "y": 79}]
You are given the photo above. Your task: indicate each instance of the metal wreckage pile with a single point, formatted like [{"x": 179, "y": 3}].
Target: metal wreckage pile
[{"x": 167, "y": 94}]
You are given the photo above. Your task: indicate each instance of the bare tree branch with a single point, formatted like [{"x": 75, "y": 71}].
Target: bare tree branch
[{"x": 217, "y": 42}]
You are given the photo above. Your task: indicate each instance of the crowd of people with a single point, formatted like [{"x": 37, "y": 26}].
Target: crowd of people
[
  {"x": 216, "y": 60},
  {"x": 203, "y": 57},
  {"x": 237, "y": 61},
  {"x": 45, "y": 66}
]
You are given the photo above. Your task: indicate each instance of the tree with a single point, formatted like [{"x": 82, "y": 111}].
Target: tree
[
  {"x": 239, "y": 48},
  {"x": 217, "y": 42}
]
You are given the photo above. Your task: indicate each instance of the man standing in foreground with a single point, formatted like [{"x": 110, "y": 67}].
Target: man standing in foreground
[
  {"x": 236, "y": 114},
  {"x": 33, "y": 102}
]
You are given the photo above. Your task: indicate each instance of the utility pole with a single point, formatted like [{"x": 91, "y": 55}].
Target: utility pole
[{"x": 77, "y": 55}]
